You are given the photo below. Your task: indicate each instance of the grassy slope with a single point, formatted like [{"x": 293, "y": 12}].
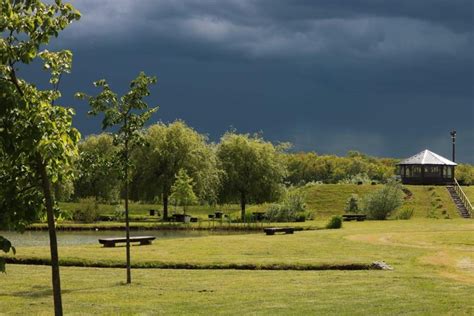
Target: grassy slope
[
  {"x": 330, "y": 199},
  {"x": 469, "y": 193},
  {"x": 432, "y": 260},
  {"x": 323, "y": 200}
]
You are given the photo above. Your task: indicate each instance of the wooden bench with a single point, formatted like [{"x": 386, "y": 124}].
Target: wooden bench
[
  {"x": 357, "y": 217},
  {"x": 273, "y": 230},
  {"x": 110, "y": 242}
]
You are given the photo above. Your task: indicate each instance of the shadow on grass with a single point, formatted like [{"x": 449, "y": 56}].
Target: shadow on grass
[
  {"x": 37, "y": 291},
  {"x": 195, "y": 266},
  {"x": 41, "y": 291}
]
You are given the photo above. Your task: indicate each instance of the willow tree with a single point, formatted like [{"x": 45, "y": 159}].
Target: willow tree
[
  {"x": 253, "y": 169},
  {"x": 97, "y": 172},
  {"x": 129, "y": 114},
  {"x": 171, "y": 148},
  {"x": 37, "y": 140}
]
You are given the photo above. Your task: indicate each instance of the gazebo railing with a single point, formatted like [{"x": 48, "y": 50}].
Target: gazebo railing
[{"x": 463, "y": 197}]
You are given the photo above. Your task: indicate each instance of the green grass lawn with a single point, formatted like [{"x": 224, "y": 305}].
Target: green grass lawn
[
  {"x": 230, "y": 292},
  {"x": 433, "y": 274}
]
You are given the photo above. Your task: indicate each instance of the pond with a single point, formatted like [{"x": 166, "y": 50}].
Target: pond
[{"x": 68, "y": 238}]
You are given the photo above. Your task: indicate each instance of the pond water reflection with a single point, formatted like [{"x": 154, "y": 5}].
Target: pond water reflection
[{"x": 67, "y": 238}]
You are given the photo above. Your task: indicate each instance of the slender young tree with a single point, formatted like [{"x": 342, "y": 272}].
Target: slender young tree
[
  {"x": 37, "y": 140},
  {"x": 129, "y": 113},
  {"x": 182, "y": 190}
]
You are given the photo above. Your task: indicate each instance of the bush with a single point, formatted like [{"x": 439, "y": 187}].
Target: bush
[
  {"x": 405, "y": 214},
  {"x": 291, "y": 209},
  {"x": 380, "y": 204},
  {"x": 119, "y": 213},
  {"x": 89, "y": 211},
  {"x": 352, "y": 204},
  {"x": 360, "y": 178},
  {"x": 334, "y": 223}
]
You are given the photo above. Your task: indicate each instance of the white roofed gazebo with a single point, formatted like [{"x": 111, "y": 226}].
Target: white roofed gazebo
[{"x": 426, "y": 167}]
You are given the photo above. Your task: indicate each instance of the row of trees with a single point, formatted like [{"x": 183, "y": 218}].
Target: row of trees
[
  {"x": 355, "y": 167},
  {"x": 242, "y": 168}
]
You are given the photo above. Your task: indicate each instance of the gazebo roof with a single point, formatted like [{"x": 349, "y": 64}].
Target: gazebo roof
[{"x": 427, "y": 157}]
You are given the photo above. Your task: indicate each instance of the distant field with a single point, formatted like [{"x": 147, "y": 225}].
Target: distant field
[{"x": 322, "y": 200}]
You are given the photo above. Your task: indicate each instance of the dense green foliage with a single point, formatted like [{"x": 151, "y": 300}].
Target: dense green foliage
[
  {"x": 335, "y": 222},
  {"x": 253, "y": 169},
  {"x": 171, "y": 148},
  {"x": 381, "y": 203},
  {"x": 465, "y": 174},
  {"x": 355, "y": 167},
  {"x": 98, "y": 173},
  {"x": 292, "y": 208},
  {"x": 88, "y": 212}
]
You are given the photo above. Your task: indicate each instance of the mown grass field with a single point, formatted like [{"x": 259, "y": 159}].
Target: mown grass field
[
  {"x": 433, "y": 274},
  {"x": 322, "y": 200}
]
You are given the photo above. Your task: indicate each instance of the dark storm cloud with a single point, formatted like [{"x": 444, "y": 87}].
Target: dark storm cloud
[{"x": 385, "y": 77}]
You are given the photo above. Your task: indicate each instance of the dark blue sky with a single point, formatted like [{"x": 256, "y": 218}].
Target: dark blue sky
[{"x": 389, "y": 78}]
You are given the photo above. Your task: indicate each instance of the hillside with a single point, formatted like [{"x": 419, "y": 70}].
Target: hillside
[
  {"x": 323, "y": 200},
  {"x": 330, "y": 199},
  {"x": 469, "y": 192}
]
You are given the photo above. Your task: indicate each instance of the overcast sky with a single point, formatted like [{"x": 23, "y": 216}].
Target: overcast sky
[{"x": 389, "y": 78}]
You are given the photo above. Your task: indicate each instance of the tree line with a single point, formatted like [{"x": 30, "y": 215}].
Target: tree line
[{"x": 240, "y": 168}]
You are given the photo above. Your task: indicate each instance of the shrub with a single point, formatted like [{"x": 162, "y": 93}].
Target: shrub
[
  {"x": 380, "y": 204},
  {"x": 89, "y": 211},
  {"x": 405, "y": 213},
  {"x": 334, "y": 223},
  {"x": 352, "y": 204},
  {"x": 360, "y": 178},
  {"x": 291, "y": 209},
  {"x": 119, "y": 213}
]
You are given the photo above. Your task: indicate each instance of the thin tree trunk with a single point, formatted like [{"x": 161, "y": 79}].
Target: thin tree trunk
[
  {"x": 242, "y": 206},
  {"x": 127, "y": 224},
  {"x": 165, "y": 206},
  {"x": 53, "y": 242}
]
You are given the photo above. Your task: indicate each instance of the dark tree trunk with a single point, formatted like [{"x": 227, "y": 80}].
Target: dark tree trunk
[
  {"x": 53, "y": 242},
  {"x": 242, "y": 206},
  {"x": 165, "y": 206},
  {"x": 127, "y": 223}
]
